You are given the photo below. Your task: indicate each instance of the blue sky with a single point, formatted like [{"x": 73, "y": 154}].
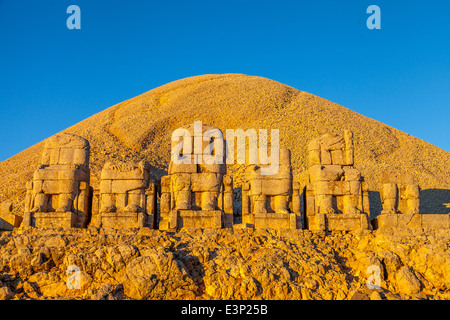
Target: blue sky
[{"x": 52, "y": 77}]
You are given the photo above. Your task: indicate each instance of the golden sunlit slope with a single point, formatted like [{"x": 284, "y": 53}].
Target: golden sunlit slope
[{"x": 140, "y": 128}]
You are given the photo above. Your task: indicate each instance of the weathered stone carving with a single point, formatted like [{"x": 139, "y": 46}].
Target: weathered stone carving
[
  {"x": 336, "y": 195},
  {"x": 8, "y": 220},
  {"x": 196, "y": 194},
  {"x": 398, "y": 193},
  {"x": 126, "y": 198},
  {"x": 271, "y": 201},
  {"x": 400, "y": 199},
  {"x": 59, "y": 193}
]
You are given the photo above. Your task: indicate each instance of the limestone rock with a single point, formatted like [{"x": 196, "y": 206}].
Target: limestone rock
[
  {"x": 223, "y": 264},
  {"x": 406, "y": 281},
  {"x": 157, "y": 276},
  {"x": 6, "y": 293}
]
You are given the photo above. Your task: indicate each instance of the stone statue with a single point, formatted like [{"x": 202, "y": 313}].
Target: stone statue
[
  {"x": 336, "y": 195},
  {"x": 269, "y": 201},
  {"x": 127, "y": 196},
  {"x": 196, "y": 193},
  {"x": 59, "y": 192}
]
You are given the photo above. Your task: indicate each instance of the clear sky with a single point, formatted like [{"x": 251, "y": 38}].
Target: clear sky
[{"x": 52, "y": 77}]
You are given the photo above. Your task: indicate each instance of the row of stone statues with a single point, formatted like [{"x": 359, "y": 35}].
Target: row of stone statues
[{"x": 200, "y": 195}]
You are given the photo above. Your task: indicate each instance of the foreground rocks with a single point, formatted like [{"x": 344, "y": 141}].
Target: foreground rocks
[{"x": 223, "y": 264}]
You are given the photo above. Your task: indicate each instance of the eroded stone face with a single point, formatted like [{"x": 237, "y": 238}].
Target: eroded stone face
[{"x": 58, "y": 195}]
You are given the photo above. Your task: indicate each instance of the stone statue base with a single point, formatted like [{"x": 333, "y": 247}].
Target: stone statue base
[
  {"x": 51, "y": 219},
  {"x": 338, "y": 222},
  {"x": 274, "y": 220},
  {"x": 119, "y": 220},
  {"x": 412, "y": 221},
  {"x": 181, "y": 219}
]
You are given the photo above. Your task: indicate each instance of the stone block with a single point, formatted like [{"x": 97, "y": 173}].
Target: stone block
[
  {"x": 180, "y": 182},
  {"x": 337, "y": 157},
  {"x": 348, "y": 157},
  {"x": 254, "y": 173},
  {"x": 66, "y": 156},
  {"x": 325, "y": 173},
  {"x": 351, "y": 174},
  {"x": 332, "y": 142},
  {"x": 121, "y": 220},
  {"x": 409, "y": 221},
  {"x": 435, "y": 221},
  {"x": 355, "y": 187},
  {"x": 54, "y": 219},
  {"x": 199, "y": 219},
  {"x": 325, "y": 156},
  {"x": 106, "y": 186},
  {"x": 317, "y": 222},
  {"x": 61, "y": 174},
  {"x": 276, "y": 187},
  {"x": 388, "y": 191},
  {"x": 285, "y": 157},
  {"x": 124, "y": 186},
  {"x": 411, "y": 191},
  {"x": 59, "y": 186},
  {"x": 346, "y": 222},
  {"x": 275, "y": 220},
  {"x": 210, "y": 182},
  {"x": 314, "y": 157},
  {"x": 182, "y": 168},
  {"x": 8, "y": 220},
  {"x": 255, "y": 187},
  {"x": 310, "y": 201},
  {"x": 331, "y": 188},
  {"x": 387, "y": 221},
  {"x": 213, "y": 168},
  {"x": 52, "y": 157},
  {"x": 164, "y": 203},
  {"x": 350, "y": 204}
]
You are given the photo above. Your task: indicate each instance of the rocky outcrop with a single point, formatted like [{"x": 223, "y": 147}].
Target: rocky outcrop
[{"x": 222, "y": 264}]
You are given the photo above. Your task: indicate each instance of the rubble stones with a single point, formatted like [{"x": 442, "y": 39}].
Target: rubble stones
[{"x": 223, "y": 264}]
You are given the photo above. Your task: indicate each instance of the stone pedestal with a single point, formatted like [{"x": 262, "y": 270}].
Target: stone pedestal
[
  {"x": 412, "y": 221},
  {"x": 179, "y": 219},
  {"x": 120, "y": 220},
  {"x": 277, "y": 221},
  {"x": 52, "y": 219}
]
